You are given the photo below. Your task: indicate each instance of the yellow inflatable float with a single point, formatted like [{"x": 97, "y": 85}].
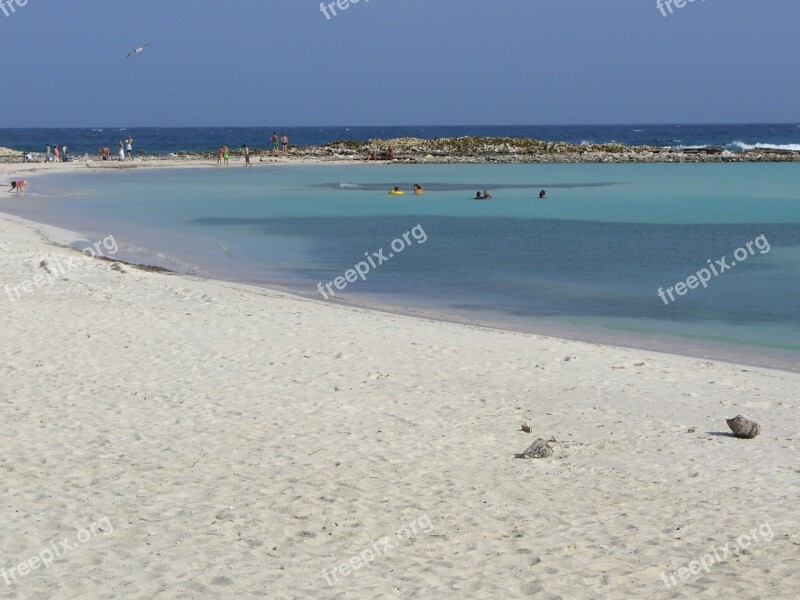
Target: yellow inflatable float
[{"x": 396, "y": 192}]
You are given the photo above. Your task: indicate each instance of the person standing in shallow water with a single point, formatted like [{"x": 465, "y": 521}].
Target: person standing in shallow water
[{"x": 274, "y": 140}]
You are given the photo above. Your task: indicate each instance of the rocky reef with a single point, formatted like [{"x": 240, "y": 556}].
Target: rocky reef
[
  {"x": 513, "y": 150},
  {"x": 472, "y": 150}
]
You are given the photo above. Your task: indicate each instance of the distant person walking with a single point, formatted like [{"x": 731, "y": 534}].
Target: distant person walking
[
  {"x": 47, "y": 153},
  {"x": 219, "y": 156},
  {"x": 285, "y": 143},
  {"x": 274, "y": 140},
  {"x": 226, "y": 154},
  {"x": 64, "y": 153},
  {"x": 121, "y": 150},
  {"x": 55, "y": 152},
  {"x": 129, "y": 148},
  {"x": 246, "y": 152}
]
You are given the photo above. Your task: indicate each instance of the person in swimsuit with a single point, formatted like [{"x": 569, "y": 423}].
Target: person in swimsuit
[
  {"x": 418, "y": 189},
  {"x": 274, "y": 140},
  {"x": 542, "y": 195},
  {"x": 486, "y": 195},
  {"x": 478, "y": 196},
  {"x": 285, "y": 143},
  {"x": 219, "y": 156},
  {"x": 225, "y": 154},
  {"x": 246, "y": 152},
  {"x": 18, "y": 185}
]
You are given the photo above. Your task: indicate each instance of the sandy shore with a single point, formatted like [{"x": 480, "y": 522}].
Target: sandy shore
[{"x": 197, "y": 439}]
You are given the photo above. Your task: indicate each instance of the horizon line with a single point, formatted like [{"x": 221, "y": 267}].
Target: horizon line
[{"x": 689, "y": 124}]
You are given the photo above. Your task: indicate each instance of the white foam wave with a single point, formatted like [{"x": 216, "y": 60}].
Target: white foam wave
[
  {"x": 743, "y": 146},
  {"x": 347, "y": 186}
]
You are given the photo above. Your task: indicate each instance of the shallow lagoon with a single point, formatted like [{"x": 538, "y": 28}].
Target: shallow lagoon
[{"x": 586, "y": 262}]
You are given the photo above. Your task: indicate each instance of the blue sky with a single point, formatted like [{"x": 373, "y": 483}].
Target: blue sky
[{"x": 398, "y": 62}]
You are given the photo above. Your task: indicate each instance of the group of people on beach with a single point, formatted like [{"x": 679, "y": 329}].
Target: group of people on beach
[
  {"x": 284, "y": 142},
  {"x": 55, "y": 154},
  {"x": 278, "y": 144},
  {"x": 388, "y": 154},
  {"x": 125, "y": 150}
]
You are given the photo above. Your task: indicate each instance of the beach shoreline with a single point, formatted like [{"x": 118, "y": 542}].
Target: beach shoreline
[
  {"x": 371, "y": 421},
  {"x": 732, "y": 353}
]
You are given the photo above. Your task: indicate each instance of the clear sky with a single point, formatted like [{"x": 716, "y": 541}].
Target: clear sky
[{"x": 398, "y": 62}]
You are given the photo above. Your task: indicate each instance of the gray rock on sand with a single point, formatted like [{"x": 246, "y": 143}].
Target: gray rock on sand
[
  {"x": 538, "y": 449},
  {"x": 744, "y": 428}
]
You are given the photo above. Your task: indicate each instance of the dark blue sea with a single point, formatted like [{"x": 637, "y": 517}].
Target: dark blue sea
[{"x": 163, "y": 140}]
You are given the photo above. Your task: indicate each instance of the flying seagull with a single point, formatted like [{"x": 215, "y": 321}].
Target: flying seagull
[{"x": 137, "y": 50}]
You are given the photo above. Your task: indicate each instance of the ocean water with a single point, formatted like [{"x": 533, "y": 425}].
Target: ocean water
[
  {"x": 587, "y": 262},
  {"x": 154, "y": 140}
]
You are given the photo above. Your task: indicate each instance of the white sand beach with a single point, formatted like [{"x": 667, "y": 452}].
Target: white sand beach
[{"x": 198, "y": 439}]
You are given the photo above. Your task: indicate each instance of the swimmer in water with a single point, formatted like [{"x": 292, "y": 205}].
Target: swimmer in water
[
  {"x": 418, "y": 189},
  {"x": 542, "y": 195}
]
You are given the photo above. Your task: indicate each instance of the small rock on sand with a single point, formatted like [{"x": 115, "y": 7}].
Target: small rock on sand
[
  {"x": 539, "y": 449},
  {"x": 744, "y": 428}
]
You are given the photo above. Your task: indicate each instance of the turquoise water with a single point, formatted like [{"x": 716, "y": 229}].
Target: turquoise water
[{"x": 588, "y": 260}]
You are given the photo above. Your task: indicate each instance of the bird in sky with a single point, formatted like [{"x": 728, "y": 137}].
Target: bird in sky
[{"x": 137, "y": 50}]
